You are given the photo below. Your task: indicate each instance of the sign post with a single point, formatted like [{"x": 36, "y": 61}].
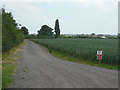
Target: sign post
[{"x": 99, "y": 56}]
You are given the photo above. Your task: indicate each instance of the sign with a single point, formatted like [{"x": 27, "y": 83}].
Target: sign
[{"x": 99, "y": 55}]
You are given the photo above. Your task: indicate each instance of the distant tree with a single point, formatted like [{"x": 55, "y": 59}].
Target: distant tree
[
  {"x": 82, "y": 33},
  {"x": 100, "y": 35},
  {"x": 57, "y": 29},
  {"x": 20, "y": 25},
  {"x": 25, "y": 30},
  {"x": 119, "y": 35},
  {"x": 31, "y": 36},
  {"x": 111, "y": 37},
  {"x": 93, "y": 34},
  {"x": 45, "y": 31}
]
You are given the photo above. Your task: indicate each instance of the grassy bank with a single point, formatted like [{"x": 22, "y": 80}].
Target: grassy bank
[
  {"x": 8, "y": 64},
  {"x": 68, "y": 57},
  {"x": 0, "y": 70}
]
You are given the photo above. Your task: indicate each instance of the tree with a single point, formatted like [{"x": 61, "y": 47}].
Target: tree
[
  {"x": 11, "y": 35},
  {"x": 57, "y": 29},
  {"x": 93, "y": 34},
  {"x": 45, "y": 31},
  {"x": 119, "y": 35},
  {"x": 25, "y": 30}
]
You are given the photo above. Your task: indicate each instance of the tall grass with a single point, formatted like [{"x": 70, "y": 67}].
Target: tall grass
[{"x": 85, "y": 48}]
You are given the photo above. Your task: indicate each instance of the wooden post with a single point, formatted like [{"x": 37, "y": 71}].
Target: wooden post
[{"x": 99, "y": 61}]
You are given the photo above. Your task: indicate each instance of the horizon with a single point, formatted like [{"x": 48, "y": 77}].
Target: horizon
[
  {"x": 74, "y": 17},
  {"x": 81, "y": 34}
]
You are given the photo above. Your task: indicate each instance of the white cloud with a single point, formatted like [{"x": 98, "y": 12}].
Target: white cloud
[
  {"x": 60, "y": 0},
  {"x": 29, "y": 1},
  {"x": 24, "y": 6},
  {"x": 29, "y": 14},
  {"x": 33, "y": 16},
  {"x": 76, "y": 3},
  {"x": 101, "y": 4},
  {"x": 89, "y": 1}
]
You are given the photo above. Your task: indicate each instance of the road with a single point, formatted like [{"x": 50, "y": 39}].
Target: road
[{"x": 37, "y": 68}]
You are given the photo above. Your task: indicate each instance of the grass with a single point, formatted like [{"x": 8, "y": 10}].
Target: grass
[
  {"x": 67, "y": 57},
  {"x": 0, "y": 70},
  {"x": 8, "y": 64},
  {"x": 75, "y": 59},
  {"x": 0, "y": 60},
  {"x": 85, "y": 48}
]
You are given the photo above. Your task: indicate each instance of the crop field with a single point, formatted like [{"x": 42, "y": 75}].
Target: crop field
[{"x": 85, "y": 48}]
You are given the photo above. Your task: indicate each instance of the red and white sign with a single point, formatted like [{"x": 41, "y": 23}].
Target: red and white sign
[{"x": 99, "y": 55}]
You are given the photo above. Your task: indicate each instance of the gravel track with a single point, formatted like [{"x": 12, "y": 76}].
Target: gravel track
[{"x": 37, "y": 68}]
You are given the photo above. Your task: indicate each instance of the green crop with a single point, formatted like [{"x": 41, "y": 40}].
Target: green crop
[{"x": 85, "y": 48}]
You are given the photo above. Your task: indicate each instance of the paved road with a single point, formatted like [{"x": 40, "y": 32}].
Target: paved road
[{"x": 37, "y": 68}]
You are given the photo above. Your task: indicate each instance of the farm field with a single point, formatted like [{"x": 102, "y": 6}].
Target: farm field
[{"x": 85, "y": 48}]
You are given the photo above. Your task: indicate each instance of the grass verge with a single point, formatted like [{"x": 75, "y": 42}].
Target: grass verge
[
  {"x": 0, "y": 70},
  {"x": 8, "y": 64},
  {"x": 67, "y": 57}
]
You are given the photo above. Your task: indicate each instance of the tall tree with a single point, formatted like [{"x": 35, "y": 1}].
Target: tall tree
[
  {"x": 45, "y": 31},
  {"x": 57, "y": 29}
]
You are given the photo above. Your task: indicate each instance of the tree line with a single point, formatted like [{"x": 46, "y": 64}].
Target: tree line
[
  {"x": 88, "y": 36},
  {"x": 44, "y": 32},
  {"x": 47, "y": 32},
  {"x": 12, "y": 35}
]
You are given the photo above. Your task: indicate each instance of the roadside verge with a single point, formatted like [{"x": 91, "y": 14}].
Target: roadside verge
[{"x": 9, "y": 61}]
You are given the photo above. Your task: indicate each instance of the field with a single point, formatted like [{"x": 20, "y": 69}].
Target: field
[{"x": 86, "y": 49}]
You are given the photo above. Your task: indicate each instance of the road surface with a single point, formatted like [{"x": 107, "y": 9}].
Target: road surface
[{"x": 37, "y": 68}]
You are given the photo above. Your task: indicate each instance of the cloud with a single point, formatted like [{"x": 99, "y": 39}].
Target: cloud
[
  {"x": 33, "y": 16},
  {"x": 24, "y": 6},
  {"x": 29, "y": 14},
  {"x": 61, "y": 0},
  {"x": 89, "y": 1},
  {"x": 76, "y": 3},
  {"x": 29, "y": 1},
  {"x": 101, "y": 4}
]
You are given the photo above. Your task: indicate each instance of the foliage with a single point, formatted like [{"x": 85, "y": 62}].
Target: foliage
[
  {"x": 45, "y": 31},
  {"x": 85, "y": 48},
  {"x": 11, "y": 35},
  {"x": 0, "y": 21},
  {"x": 93, "y": 34},
  {"x": 31, "y": 36},
  {"x": 111, "y": 37},
  {"x": 119, "y": 35},
  {"x": 57, "y": 29},
  {"x": 87, "y": 36},
  {"x": 25, "y": 30}
]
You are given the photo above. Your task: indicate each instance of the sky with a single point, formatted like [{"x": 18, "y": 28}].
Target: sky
[{"x": 75, "y": 16}]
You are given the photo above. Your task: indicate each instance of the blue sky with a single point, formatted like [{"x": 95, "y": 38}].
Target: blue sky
[{"x": 75, "y": 17}]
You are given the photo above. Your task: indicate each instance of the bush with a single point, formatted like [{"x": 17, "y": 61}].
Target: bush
[{"x": 11, "y": 35}]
